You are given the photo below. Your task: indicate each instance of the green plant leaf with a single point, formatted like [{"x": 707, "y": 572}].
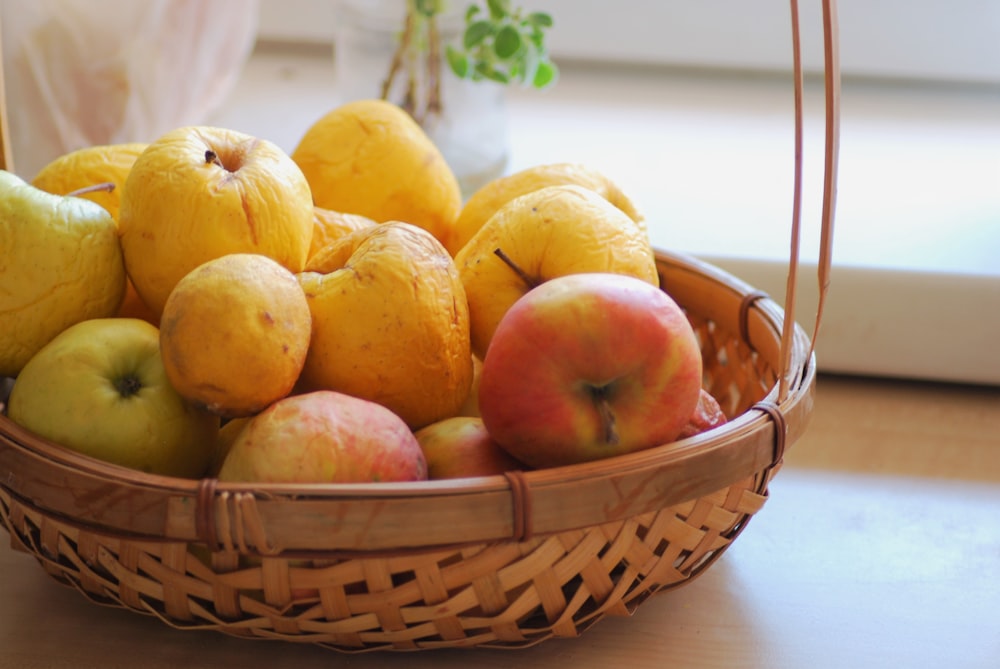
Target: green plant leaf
[
  {"x": 540, "y": 20},
  {"x": 427, "y": 7},
  {"x": 476, "y": 33},
  {"x": 458, "y": 62},
  {"x": 498, "y": 8},
  {"x": 507, "y": 42},
  {"x": 500, "y": 44},
  {"x": 537, "y": 39},
  {"x": 487, "y": 71},
  {"x": 498, "y": 76},
  {"x": 545, "y": 75}
]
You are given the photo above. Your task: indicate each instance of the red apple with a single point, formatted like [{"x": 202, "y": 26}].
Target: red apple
[
  {"x": 587, "y": 366},
  {"x": 324, "y": 437},
  {"x": 461, "y": 446},
  {"x": 707, "y": 415}
]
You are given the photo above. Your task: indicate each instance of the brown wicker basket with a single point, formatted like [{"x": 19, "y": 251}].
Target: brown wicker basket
[
  {"x": 501, "y": 561},
  {"x": 488, "y": 561}
]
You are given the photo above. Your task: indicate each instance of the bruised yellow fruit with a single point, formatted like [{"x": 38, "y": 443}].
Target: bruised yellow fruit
[
  {"x": 369, "y": 157},
  {"x": 90, "y": 166},
  {"x": 60, "y": 263},
  {"x": 487, "y": 200},
  {"x": 390, "y": 323},
  {"x": 329, "y": 226},
  {"x": 549, "y": 232},
  {"x": 200, "y": 192},
  {"x": 234, "y": 334}
]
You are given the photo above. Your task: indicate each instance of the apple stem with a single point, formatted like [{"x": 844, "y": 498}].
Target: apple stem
[
  {"x": 106, "y": 186},
  {"x": 607, "y": 417},
  {"x": 528, "y": 279},
  {"x": 212, "y": 157},
  {"x": 127, "y": 386}
]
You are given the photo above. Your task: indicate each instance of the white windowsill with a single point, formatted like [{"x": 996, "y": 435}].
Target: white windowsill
[{"x": 709, "y": 158}]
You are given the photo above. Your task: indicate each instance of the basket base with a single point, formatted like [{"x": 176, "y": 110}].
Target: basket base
[{"x": 511, "y": 595}]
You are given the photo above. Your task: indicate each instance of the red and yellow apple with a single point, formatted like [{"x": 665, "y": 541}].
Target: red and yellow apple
[
  {"x": 588, "y": 366},
  {"x": 707, "y": 415},
  {"x": 461, "y": 446},
  {"x": 324, "y": 437}
]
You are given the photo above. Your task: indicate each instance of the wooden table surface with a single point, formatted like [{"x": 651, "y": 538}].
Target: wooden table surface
[{"x": 880, "y": 547}]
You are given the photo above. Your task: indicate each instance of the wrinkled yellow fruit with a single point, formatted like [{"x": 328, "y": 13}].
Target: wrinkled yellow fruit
[
  {"x": 90, "y": 166},
  {"x": 487, "y": 200},
  {"x": 198, "y": 193},
  {"x": 550, "y": 232},
  {"x": 369, "y": 157},
  {"x": 390, "y": 323},
  {"x": 234, "y": 334},
  {"x": 329, "y": 226},
  {"x": 60, "y": 263}
]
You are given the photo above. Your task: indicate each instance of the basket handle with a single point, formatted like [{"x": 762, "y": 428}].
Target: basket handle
[
  {"x": 831, "y": 80},
  {"x": 6, "y": 155}
]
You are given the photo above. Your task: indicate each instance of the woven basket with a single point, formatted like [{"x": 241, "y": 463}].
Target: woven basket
[
  {"x": 501, "y": 561},
  {"x": 487, "y": 561}
]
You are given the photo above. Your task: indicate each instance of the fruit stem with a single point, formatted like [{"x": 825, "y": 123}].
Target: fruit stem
[
  {"x": 127, "y": 386},
  {"x": 607, "y": 416},
  {"x": 212, "y": 157},
  {"x": 529, "y": 280},
  {"x": 105, "y": 186}
]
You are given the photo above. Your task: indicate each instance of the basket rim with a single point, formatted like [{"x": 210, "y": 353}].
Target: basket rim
[{"x": 249, "y": 517}]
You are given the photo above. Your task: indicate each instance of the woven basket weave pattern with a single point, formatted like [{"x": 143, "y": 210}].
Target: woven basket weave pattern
[{"x": 509, "y": 595}]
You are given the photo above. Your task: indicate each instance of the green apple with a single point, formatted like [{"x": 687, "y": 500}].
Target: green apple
[
  {"x": 99, "y": 388},
  {"x": 550, "y": 232},
  {"x": 461, "y": 446},
  {"x": 588, "y": 366},
  {"x": 60, "y": 263},
  {"x": 324, "y": 437}
]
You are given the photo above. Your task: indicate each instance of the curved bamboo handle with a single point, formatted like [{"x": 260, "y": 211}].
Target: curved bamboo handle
[
  {"x": 831, "y": 77},
  {"x": 6, "y": 158}
]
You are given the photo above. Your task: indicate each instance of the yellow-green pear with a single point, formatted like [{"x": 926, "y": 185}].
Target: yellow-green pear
[{"x": 60, "y": 263}]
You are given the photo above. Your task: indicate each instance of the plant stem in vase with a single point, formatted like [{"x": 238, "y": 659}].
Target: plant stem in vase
[{"x": 439, "y": 64}]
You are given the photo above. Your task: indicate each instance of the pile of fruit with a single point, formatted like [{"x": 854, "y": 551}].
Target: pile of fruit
[{"x": 208, "y": 305}]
